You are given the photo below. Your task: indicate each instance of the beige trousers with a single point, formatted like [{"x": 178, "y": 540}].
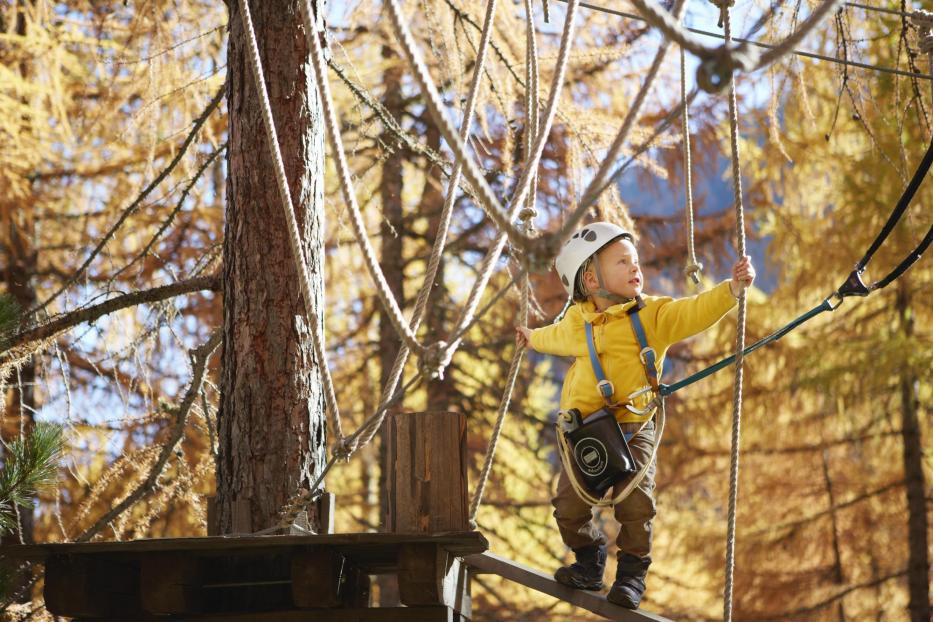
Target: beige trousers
[{"x": 634, "y": 513}]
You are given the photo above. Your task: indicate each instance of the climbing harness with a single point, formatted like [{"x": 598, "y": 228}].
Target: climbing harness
[{"x": 593, "y": 448}]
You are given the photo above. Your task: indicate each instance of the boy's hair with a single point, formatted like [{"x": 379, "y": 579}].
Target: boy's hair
[{"x": 579, "y": 289}]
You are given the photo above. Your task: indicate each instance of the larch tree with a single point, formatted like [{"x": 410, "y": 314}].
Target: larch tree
[{"x": 271, "y": 424}]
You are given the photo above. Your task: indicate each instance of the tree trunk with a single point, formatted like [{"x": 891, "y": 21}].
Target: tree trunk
[
  {"x": 271, "y": 421},
  {"x": 391, "y": 231},
  {"x": 918, "y": 564}
]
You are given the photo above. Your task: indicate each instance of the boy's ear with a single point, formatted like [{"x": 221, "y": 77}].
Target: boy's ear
[{"x": 589, "y": 279}]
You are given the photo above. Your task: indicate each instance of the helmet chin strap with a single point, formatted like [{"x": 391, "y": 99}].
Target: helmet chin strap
[{"x": 602, "y": 292}]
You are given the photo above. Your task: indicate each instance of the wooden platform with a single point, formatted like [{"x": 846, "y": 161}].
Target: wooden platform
[
  {"x": 537, "y": 580},
  {"x": 256, "y": 578}
]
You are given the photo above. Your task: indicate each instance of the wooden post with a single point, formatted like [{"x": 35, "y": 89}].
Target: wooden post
[{"x": 427, "y": 479}]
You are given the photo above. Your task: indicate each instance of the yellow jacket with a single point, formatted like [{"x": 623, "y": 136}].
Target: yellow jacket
[{"x": 666, "y": 321}]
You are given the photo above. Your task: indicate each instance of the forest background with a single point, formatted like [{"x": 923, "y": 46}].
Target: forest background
[{"x": 113, "y": 186}]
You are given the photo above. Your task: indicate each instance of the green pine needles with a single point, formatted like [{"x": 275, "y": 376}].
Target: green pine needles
[
  {"x": 28, "y": 464},
  {"x": 10, "y": 313}
]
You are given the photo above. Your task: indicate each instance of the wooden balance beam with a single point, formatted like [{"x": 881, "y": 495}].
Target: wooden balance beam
[{"x": 538, "y": 581}]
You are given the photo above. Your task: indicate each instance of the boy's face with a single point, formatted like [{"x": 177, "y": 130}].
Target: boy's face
[{"x": 621, "y": 272}]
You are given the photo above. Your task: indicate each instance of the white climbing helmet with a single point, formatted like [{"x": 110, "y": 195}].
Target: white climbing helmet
[{"x": 581, "y": 246}]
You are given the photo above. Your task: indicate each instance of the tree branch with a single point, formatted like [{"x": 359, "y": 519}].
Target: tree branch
[
  {"x": 90, "y": 314},
  {"x": 139, "y": 199},
  {"x": 199, "y": 358}
]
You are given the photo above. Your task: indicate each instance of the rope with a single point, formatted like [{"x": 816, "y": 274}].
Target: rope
[
  {"x": 346, "y": 185},
  {"x": 527, "y": 217},
  {"x": 693, "y": 267},
  {"x": 492, "y": 257},
  {"x": 294, "y": 239},
  {"x": 739, "y": 343},
  {"x": 767, "y": 46},
  {"x": 488, "y": 200},
  {"x": 599, "y": 181},
  {"x": 444, "y": 225}
]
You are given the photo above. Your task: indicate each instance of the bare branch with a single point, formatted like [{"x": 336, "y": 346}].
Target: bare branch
[
  {"x": 199, "y": 356},
  {"x": 139, "y": 199},
  {"x": 90, "y": 314}
]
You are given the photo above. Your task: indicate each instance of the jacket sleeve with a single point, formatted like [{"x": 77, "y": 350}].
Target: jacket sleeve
[
  {"x": 680, "y": 318},
  {"x": 565, "y": 338}
]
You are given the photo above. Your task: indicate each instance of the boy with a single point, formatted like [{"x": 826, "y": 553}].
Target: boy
[{"x": 600, "y": 271}]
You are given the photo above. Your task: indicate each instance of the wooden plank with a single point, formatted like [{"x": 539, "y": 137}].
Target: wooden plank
[
  {"x": 98, "y": 586},
  {"x": 427, "y": 487},
  {"x": 538, "y": 581},
  {"x": 457, "y": 542},
  {"x": 170, "y": 583},
  {"x": 429, "y": 575},
  {"x": 378, "y": 614},
  {"x": 316, "y": 578}
]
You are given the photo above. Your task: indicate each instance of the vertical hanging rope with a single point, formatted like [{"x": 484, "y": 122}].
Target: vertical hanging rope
[
  {"x": 526, "y": 217},
  {"x": 739, "y": 340},
  {"x": 693, "y": 268}
]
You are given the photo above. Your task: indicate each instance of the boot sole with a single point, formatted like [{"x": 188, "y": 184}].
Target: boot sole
[{"x": 579, "y": 585}]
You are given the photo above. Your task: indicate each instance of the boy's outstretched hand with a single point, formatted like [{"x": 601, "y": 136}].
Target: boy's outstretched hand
[
  {"x": 522, "y": 336},
  {"x": 743, "y": 275}
]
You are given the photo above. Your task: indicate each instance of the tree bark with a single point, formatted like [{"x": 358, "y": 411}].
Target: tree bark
[
  {"x": 271, "y": 421},
  {"x": 918, "y": 564},
  {"x": 391, "y": 231}
]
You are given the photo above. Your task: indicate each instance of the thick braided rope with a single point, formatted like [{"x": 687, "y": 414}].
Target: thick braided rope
[
  {"x": 600, "y": 181},
  {"x": 531, "y": 100},
  {"x": 693, "y": 268},
  {"x": 489, "y": 261},
  {"x": 294, "y": 239},
  {"x": 444, "y": 225},
  {"x": 742, "y": 57},
  {"x": 333, "y": 133},
  {"x": 514, "y": 368},
  {"x": 487, "y": 198},
  {"x": 739, "y": 344},
  {"x": 527, "y": 218}
]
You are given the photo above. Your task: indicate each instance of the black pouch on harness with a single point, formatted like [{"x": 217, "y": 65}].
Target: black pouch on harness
[{"x": 600, "y": 452}]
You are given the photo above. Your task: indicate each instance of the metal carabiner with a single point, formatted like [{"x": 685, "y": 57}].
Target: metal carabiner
[{"x": 652, "y": 404}]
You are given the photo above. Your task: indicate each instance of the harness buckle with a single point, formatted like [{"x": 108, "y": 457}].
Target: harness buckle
[
  {"x": 605, "y": 389},
  {"x": 835, "y": 299},
  {"x": 644, "y": 352}
]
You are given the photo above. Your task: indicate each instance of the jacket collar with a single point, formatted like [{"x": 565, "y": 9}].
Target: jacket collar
[{"x": 590, "y": 314}]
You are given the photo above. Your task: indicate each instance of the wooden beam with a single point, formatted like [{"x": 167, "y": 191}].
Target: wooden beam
[
  {"x": 457, "y": 542},
  {"x": 170, "y": 583},
  {"x": 538, "y": 581},
  {"x": 377, "y": 614},
  {"x": 429, "y": 575},
  {"x": 91, "y": 585},
  {"x": 316, "y": 578},
  {"x": 427, "y": 481}
]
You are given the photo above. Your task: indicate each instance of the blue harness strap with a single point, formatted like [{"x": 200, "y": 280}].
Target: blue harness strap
[
  {"x": 604, "y": 387},
  {"x": 647, "y": 354}
]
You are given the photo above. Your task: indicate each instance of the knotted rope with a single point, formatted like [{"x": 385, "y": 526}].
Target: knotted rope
[
  {"x": 739, "y": 343},
  {"x": 693, "y": 267}
]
